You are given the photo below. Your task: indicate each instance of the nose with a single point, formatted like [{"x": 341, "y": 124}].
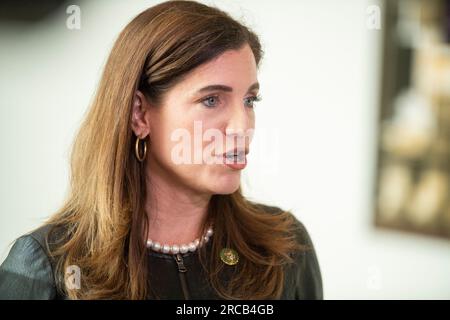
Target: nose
[
  {"x": 239, "y": 120},
  {"x": 239, "y": 126}
]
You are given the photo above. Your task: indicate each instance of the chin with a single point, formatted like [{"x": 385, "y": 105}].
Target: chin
[{"x": 226, "y": 185}]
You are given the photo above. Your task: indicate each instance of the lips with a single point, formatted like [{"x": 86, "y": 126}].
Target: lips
[
  {"x": 235, "y": 158},
  {"x": 235, "y": 152},
  {"x": 232, "y": 157},
  {"x": 236, "y": 155}
]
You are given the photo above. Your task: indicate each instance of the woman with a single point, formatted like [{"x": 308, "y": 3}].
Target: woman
[{"x": 147, "y": 217}]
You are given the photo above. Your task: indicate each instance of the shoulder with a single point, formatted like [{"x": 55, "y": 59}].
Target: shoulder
[
  {"x": 303, "y": 277},
  {"x": 296, "y": 226},
  {"x": 27, "y": 272},
  {"x": 305, "y": 271}
]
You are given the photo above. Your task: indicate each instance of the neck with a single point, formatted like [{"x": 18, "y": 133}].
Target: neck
[{"x": 176, "y": 213}]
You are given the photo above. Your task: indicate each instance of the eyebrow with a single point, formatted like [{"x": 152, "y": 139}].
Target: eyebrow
[{"x": 225, "y": 88}]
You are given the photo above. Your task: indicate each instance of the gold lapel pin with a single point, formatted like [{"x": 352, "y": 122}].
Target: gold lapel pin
[{"x": 229, "y": 256}]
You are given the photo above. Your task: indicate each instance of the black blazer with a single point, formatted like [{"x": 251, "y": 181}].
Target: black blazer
[{"x": 27, "y": 272}]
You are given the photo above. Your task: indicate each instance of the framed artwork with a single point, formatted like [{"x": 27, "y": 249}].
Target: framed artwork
[{"x": 412, "y": 191}]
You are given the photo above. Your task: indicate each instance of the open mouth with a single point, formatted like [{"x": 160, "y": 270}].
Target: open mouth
[{"x": 240, "y": 157}]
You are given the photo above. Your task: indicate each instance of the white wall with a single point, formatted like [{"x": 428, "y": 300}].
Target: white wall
[{"x": 314, "y": 150}]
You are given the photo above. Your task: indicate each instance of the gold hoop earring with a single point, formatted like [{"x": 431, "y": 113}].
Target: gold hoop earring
[{"x": 138, "y": 156}]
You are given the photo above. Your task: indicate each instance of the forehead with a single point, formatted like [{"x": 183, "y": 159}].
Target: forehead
[
  {"x": 234, "y": 68},
  {"x": 229, "y": 62}
]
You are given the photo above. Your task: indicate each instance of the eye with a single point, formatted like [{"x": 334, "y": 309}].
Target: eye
[
  {"x": 210, "y": 101},
  {"x": 250, "y": 100}
]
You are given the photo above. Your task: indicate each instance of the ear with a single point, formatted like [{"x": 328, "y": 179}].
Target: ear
[{"x": 140, "y": 115}]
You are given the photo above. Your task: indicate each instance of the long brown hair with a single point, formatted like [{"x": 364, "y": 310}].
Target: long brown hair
[{"x": 103, "y": 216}]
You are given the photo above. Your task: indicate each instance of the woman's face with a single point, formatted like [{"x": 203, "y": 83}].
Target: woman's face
[{"x": 195, "y": 124}]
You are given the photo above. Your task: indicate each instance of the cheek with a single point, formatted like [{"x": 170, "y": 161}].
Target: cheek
[
  {"x": 181, "y": 135},
  {"x": 176, "y": 144},
  {"x": 163, "y": 130}
]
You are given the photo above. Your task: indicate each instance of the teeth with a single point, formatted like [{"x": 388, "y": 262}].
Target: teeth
[{"x": 235, "y": 156}]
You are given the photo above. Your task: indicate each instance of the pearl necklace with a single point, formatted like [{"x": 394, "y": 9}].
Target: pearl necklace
[{"x": 182, "y": 248}]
